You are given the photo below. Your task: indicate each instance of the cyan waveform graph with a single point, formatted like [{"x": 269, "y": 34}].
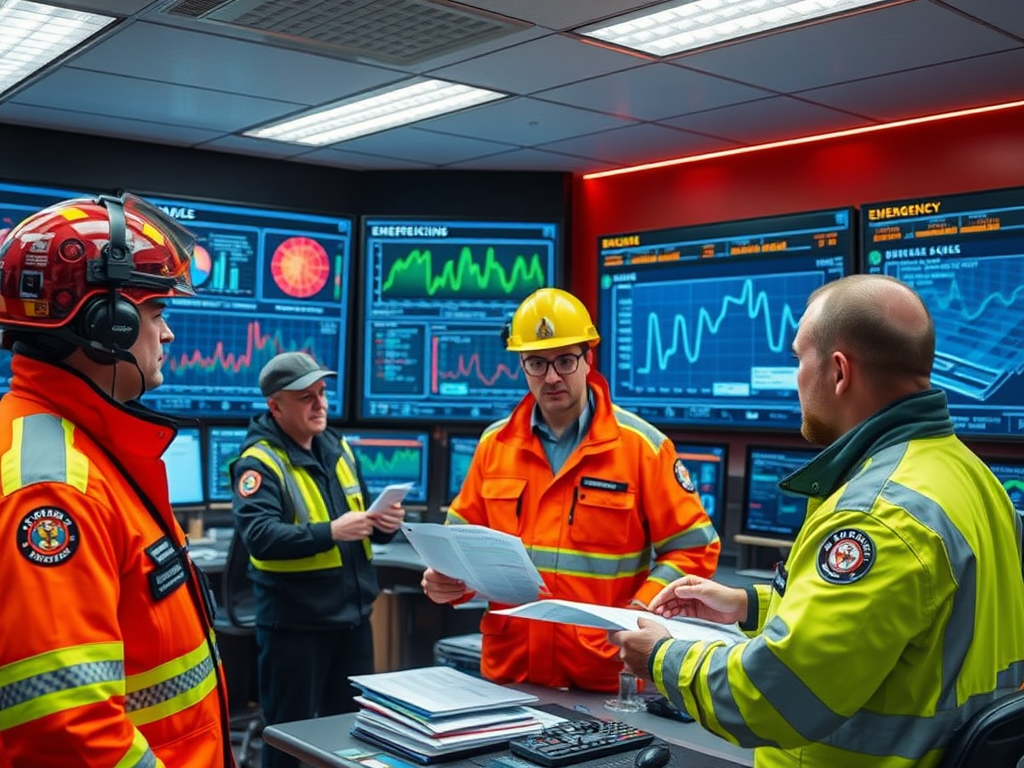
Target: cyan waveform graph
[
  {"x": 450, "y": 270},
  {"x": 219, "y": 355},
  {"x": 467, "y": 364},
  {"x": 718, "y": 336},
  {"x": 977, "y": 305}
]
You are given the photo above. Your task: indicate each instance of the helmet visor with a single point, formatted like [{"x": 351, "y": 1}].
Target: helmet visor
[{"x": 165, "y": 262}]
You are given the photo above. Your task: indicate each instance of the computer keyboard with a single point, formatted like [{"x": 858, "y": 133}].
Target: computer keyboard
[{"x": 576, "y": 741}]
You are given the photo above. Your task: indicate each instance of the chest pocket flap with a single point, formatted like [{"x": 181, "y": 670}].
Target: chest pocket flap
[
  {"x": 604, "y": 516},
  {"x": 503, "y": 499}
]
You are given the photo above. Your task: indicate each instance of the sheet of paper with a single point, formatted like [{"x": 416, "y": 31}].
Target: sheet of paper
[
  {"x": 493, "y": 564},
  {"x": 603, "y": 617},
  {"x": 392, "y": 494}
]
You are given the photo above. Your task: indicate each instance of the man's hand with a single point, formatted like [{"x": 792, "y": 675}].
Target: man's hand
[
  {"x": 388, "y": 519},
  {"x": 635, "y": 646},
  {"x": 441, "y": 588},
  {"x": 699, "y": 598},
  {"x": 352, "y": 526}
]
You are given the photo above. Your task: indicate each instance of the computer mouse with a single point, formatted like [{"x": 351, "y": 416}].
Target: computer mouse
[{"x": 654, "y": 756}]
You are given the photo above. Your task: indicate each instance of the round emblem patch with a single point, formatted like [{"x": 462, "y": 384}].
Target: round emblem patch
[
  {"x": 48, "y": 536},
  {"x": 845, "y": 556},
  {"x": 249, "y": 482},
  {"x": 683, "y": 476}
]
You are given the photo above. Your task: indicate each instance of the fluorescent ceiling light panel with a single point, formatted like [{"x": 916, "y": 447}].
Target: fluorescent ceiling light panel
[
  {"x": 376, "y": 112},
  {"x": 672, "y": 28},
  {"x": 32, "y": 35}
]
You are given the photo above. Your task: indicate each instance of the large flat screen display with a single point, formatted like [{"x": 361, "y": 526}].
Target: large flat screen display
[
  {"x": 267, "y": 281},
  {"x": 223, "y": 444},
  {"x": 697, "y": 322},
  {"x": 390, "y": 457},
  {"x": 18, "y": 202},
  {"x": 1010, "y": 472},
  {"x": 964, "y": 254},
  {"x": 708, "y": 466},
  {"x": 184, "y": 462},
  {"x": 436, "y": 295},
  {"x": 768, "y": 511},
  {"x": 460, "y": 455}
]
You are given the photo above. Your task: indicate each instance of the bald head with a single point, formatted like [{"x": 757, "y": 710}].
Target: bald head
[{"x": 879, "y": 322}]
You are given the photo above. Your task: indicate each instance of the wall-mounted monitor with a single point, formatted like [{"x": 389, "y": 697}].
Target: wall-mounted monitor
[
  {"x": 460, "y": 454},
  {"x": 387, "y": 457},
  {"x": 436, "y": 296},
  {"x": 964, "y": 254},
  {"x": 267, "y": 281},
  {"x": 768, "y": 512},
  {"x": 697, "y": 322},
  {"x": 708, "y": 466},
  {"x": 184, "y": 461},
  {"x": 18, "y": 202},
  {"x": 1011, "y": 474},
  {"x": 223, "y": 445}
]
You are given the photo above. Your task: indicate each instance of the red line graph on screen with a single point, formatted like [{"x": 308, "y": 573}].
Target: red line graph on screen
[
  {"x": 259, "y": 348},
  {"x": 467, "y": 368}
]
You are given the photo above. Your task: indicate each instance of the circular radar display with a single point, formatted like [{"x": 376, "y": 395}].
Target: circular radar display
[
  {"x": 300, "y": 267},
  {"x": 201, "y": 266}
]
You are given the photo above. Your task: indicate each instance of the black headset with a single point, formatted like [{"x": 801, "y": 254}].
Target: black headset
[{"x": 110, "y": 323}]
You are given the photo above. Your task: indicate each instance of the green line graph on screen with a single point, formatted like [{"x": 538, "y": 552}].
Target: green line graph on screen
[
  {"x": 465, "y": 272},
  {"x": 380, "y": 461}
]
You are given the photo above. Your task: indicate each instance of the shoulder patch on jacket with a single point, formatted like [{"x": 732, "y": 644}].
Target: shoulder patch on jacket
[
  {"x": 249, "y": 482},
  {"x": 683, "y": 476},
  {"x": 48, "y": 536},
  {"x": 845, "y": 556}
]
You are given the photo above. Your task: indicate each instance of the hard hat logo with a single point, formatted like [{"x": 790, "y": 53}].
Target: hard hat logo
[{"x": 545, "y": 330}]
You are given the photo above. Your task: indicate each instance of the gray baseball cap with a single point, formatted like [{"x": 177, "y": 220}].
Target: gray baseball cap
[{"x": 291, "y": 371}]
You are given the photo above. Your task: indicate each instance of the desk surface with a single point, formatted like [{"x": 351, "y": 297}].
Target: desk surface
[{"x": 314, "y": 741}]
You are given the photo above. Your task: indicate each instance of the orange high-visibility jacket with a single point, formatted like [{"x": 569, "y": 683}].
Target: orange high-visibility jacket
[
  {"x": 589, "y": 531},
  {"x": 106, "y": 652}
]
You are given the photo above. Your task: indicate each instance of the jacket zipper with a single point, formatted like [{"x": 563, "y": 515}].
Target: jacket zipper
[{"x": 572, "y": 509}]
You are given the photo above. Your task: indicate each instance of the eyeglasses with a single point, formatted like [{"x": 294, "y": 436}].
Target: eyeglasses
[{"x": 563, "y": 364}]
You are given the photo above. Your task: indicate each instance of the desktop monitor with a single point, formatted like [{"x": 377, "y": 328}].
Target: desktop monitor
[
  {"x": 1011, "y": 474},
  {"x": 460, "y": 453},
  {"x": 768, "y": 512},
  {"x": 964, "y": 254},
  {"x": 184, "y": 463},
  {"x": 222, "y": 448},
  {"x": 390, "y": 457},
  {"x": 708, "y": 466},
  {"x": 697, "y": 322},
  {"x": 436, "y": 295}
]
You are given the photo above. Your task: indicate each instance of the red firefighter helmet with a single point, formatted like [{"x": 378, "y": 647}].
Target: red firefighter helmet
[{"x": 57, "y": 260}]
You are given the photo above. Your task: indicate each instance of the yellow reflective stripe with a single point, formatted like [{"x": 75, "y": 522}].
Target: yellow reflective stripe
[
  {"x": 171, "y": 687},
  {"x": 10, "y": 464},
  {"x": 60, "y": 680},
  {"x": 139, "y": 755}
]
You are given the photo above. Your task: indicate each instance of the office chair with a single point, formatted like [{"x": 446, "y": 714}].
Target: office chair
[
  {"x": 993, "y": 737},
  {"x": 236, "y": 631}
]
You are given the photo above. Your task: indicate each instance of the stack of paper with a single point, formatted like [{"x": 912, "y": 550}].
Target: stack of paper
[{"x": 438, "y": 713}]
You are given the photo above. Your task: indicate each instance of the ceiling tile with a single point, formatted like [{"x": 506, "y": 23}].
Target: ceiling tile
[
  {"x": 539, "y": 64},
  {"x": 422, "y": 146},
  {"x": 116, "y": 96},
  {"x": 560, "y": 14},
  {"x": 103, "y": 125},
  {"x": 767, "y": 120},
  {"x": 999, "y": 13},
  {"x": 638, "y": 144},
  {"x": 992, "y": 79},
  {"x": 653, "y": 92},
  {"x": 891, "y": 39},
  {"x": 355, "y": 161},
  {"x": 222, "y": 64},
  {"x": 531, "y": 160}
]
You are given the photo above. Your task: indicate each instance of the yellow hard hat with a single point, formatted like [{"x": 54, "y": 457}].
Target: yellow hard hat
[{"x": 550, "y": 318}]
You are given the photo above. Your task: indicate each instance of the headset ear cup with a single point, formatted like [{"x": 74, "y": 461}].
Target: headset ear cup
[{"x": 110, "y": 321}]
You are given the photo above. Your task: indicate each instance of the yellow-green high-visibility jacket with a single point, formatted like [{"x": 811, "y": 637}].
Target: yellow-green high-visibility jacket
[
  {"x": 898, "y": 614},
  {"x": 284, "y": 499}
]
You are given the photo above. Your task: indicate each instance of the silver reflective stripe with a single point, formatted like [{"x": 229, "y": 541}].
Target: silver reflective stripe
[
  {"x": 691, "y": 539},
  {"x": 64, "y": 679},
  {"x": 651, "y": 434},
  {"x": 43, "y": 450},
  {"x": 168, "y": 689},
  {"x": 604, "y": 566},
  {"x": 290, "y": 486}
]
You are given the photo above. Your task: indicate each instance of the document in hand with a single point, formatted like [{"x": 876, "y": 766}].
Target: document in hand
[
  {"x": 493, "y": 564},
  {"x": 392, "y": 494},
  {"x": 602, "y": 617}
]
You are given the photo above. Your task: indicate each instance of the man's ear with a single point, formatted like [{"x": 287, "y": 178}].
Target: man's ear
[{"x": 841, "y": 372}]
